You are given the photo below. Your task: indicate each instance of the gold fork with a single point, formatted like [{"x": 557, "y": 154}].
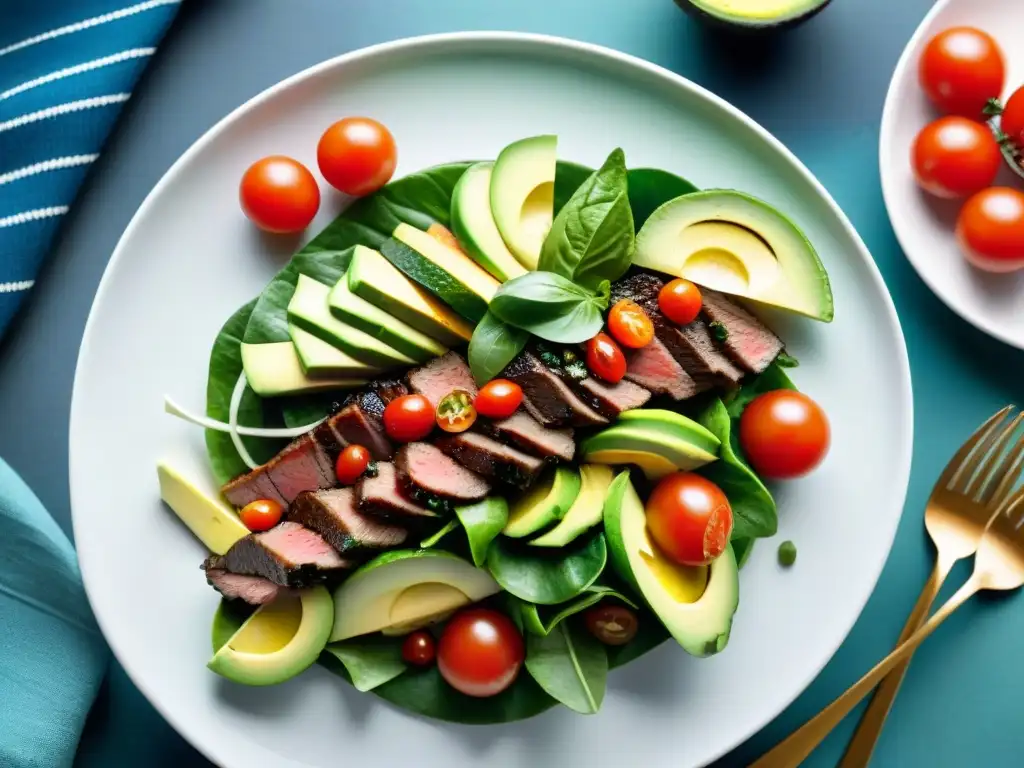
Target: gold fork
[{"x": 974, "y": 484}]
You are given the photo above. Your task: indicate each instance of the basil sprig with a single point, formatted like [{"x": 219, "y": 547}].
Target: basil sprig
[
  {"x": 493, "y": 346},
  {"x": 551, "y": 306}
]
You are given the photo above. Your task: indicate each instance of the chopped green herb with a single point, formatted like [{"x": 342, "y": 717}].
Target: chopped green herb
[
  {"x": 787, "y": 553},
  {"x": 569, "y": 357},
  {"x": 786, "y": 361},
  {"x": 577, "y": 370},
  {"x": 371, "y": 469},
  {"x": 719, "y": 331}
]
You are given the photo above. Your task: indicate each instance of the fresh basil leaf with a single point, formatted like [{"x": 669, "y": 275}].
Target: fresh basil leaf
[
  {"x": 542, "y": 619},
  {"x": 549, "y": 306},
  {"x": 482, "y": 522},
  {"x": 369, "y": 661},
  {"x": 547, "y": 577},
  {"x": 493, "y": 346},
  {"x": 570, "y": 665}
]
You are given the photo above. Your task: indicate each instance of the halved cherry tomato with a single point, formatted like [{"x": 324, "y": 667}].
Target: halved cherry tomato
[
  {"x": 408, "y": 418},
  {"x": 689, "y": 518},
  {"x": 630, "y": 325},
  {"x": 498, "y": 399},
  {"x": 261, "y": 515},
  {"x": 990, "y": 229},
  {"x": 351, "y": 464},
  {"x": 455, "y": 411},
  {"x": 955, "y": 157},
  {"x": 961, "y": 69},
  {"x": 612, "y": 624},
  {"x": 419, "y": 649},
  {"x": 480, "y": 652},
  {"x": 604, "y": 358},
  {"x": 1012, "y": 120},
  {"x": 357, "y": 155},
  {"x": 784, "y": 434},
  {"x": 680, "y": 301},
  {"x": 279, "y": 194}
]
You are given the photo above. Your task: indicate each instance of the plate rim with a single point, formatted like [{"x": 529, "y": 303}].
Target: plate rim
[{"x": 529, "y": 41}]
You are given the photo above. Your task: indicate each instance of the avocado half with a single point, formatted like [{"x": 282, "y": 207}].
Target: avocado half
[{"x": 753, "y": 15}]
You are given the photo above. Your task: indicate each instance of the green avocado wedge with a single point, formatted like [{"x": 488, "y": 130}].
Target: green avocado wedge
[
  {"x": 544, "y": 503},
  {"x": 753, "y": 15},
  {"x": 622, "y": 440},
  {"x": 672, "y": 425},
  {"x": 473, "y": 224},
  {"x": 585, "y": 512}
]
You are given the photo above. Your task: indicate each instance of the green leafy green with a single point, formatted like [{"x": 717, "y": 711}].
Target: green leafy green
[
  {"x": 742, "y": 549},
  {"x": 785, "y": 360},
  {"x": 482, "y": 522},
  {"x": 771, "y": 379},
  {"x": 369, "y": 661},
  {"x": 434, "y": 539},
  {"x": 571, "y": 665},
  {"x": 650, "y": 634},
  {"x": 650, "y": 188},
  {"x": 551, "y": 307},
  {"x": 537, "y": 575},
  {"x": 493, "y": 346},
  {"x": 541, "y": 619}
]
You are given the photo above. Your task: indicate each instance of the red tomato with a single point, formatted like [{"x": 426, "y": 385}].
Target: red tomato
[
  {"x": 955, "y": 157},
  {"x": 357, "y": 155},
  {"x": 1012, "y": 120},
  {"x": 279, "y": 194},
  {"x": 419, "y": 649},
  {"x": 961, "y": 69},
  {"x": 990, "y": 229},
  {"x": 499, "y": 399},
  {"x": 604, "y": 358},
  {"x": 689, "y": 518},
  {"x": 630, "y": 325},
  {"x": 480, "y": 652},
  {"x": 680, "y": 301},
  {"x": 351, "y": 464},
  {"x": 784, "y": 434},
  {"x": 455, "y": 412},
  {"x": 261, "y": 515},
  {"x": 408, "y": 418}
]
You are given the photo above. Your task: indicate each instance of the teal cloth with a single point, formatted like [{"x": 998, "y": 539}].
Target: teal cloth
[{"x": 53, "y": 656}]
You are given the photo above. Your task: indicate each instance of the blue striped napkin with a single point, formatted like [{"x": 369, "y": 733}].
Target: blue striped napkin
[{"x": 66, "y": 68}]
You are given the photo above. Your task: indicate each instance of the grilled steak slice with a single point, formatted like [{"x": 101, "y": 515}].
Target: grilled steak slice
[
  {"x": 440, "y": 376},
  {"x": 528, "y": 434},
  {"x": 328, "y": 439},
  {"x": 748, "y": 342},
  {"x": 302, "y": 466},
  {"x": 333, "y": 514},
  {"x": 547, "y": 397},
  {"x": 383, "y": 497},
  {"x": 425, "y": 472},
  {"x": 654, "y": 368},
  {"x": 612, "y": 399},
  {"x": 287, "y": 555},
  {"x": 251, "y": 487},
  {"x": 254, "y": 590},
  {"x": 358, "y": 427},
  {"x": 487, "y": 457}
]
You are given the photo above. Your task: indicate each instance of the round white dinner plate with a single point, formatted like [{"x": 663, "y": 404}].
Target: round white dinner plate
[
  {"x": 924, "y": 224},
  {"x": 189, "y": 259}
]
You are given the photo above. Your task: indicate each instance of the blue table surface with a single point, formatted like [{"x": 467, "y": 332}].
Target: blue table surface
[{"x": 819, "y": 88}]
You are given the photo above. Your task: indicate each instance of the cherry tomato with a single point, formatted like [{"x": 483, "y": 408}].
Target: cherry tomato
[
  {"x": 604, "y": 358},
  {"x": 680, "y": 301},
  {"x": 630, "y": 325},
  {"x": 351, "y": 464},
  {"x": 961, "y": 69},
  {"x": 279, "y": 194},
  {"x": 990, "y": 229},
  {"x": 357, "y": 155},
  {"x": 689, "y": 518},
  {"x": 408, "y": 418},
  {"x": 480, "y": 652},
  {"x": 455, "y": 412},
  {"x": 261, "y": 515},
  {"x": 499, "y": 399},
  {"x": 1012, "y": 120},
  {"x": 419, "y": 649},
  {"x": 955, "y": 157},
  {"x": 612, "y": 624},
  {"x": 784, "y": 434}
]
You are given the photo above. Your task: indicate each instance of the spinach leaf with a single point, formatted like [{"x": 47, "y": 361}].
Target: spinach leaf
[
  {"x": 551, "y": 307},
  {"x": 482, "y": 521},
  {"x": 369, "y": 661},
  {"x": 753, "y": 508},
  {"x": 541, "y": 619},
  {"x": 771, "y": 379},
  {"x": 571, "y": 665},
  {"x": 493, "y": 346},
  {"x": 592, "y": 237},
  {"x": 742, "y": 549},
  {"x": 650, "y": 188},
  {"x": 298, "y": 410},
  {"x": 537, "y": 575}
]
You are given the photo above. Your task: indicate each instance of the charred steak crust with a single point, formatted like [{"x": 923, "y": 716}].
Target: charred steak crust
[
  {"x": 252, "y": 486},
  {"x": 492, "y": 459},
  {"x": 254, "y": 590},
  {"x": 383, "y": 497},
  {"x": 529, "y": 435},
  {"x": 748, "y": 341},
  {"x": 427, "y": 473},
  {"x": 358, "y": 427},
  {"x": 334, "y": 515},
  {"x": 547, "y": 397},
  {"x": 288, "y": 555}
]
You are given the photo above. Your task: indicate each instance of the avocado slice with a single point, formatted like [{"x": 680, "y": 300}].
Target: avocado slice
[
  {"x": 447, "y": 273},
  {"x": 696, "y": 604},
  {"x": 674, "y": 425},
  {"x": 279, "y": 640},
  {"x": 473, "y": 224},
  {"x": 654, "y": 465},
  {"x": 753, "y": 14},
  {"x": 309, "y": 309},
  {"x": 585, "y": 511},
  {"x": 523, "y": 195},
  {"x": 735, "y": 243},
  {"x": 546, "y": 502},
  {"x": 319, "y": 358},
  {"x": 212, "y": 521},
  {"x": 637, "y": 441},
  {"x": 275, "y": 369},
  {"x": 402, "y": 590}
]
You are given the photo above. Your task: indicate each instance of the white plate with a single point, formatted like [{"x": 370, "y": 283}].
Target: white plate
[
  {"x": 925, "y": 225},
  {"x": 189, "y": 258}
]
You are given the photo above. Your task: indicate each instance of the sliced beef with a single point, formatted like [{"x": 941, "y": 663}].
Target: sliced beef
[
  {"x": 254, "y": 590},
  {"x": 528, "y": 434},
  {"x": 748, "y": 342},
  {"x": 425, "y": 472},
  {"x": 440, "y": 376},
  {"x": 383, "y": 497},
  {"x": 359, "y": 427},
  {"x": 288, "y": 555},
  {"x": 612, "y": 399},
  {"x": 547, "y": 397},
  {"x": 654, "y": 368},
  {"x": 251, "y": 487},
  {"x": 333, "y": 514},
  {"x": 495, "y": 461},
  {"x": 329, "y": 439},
  {"x": 302, "y": 466}
]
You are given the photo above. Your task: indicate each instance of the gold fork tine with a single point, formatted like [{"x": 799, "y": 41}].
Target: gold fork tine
[
  {"x": 966, "y": 458},
  {"x": 985, "y": 474},
  {"x": 1005, "y": 477}
]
